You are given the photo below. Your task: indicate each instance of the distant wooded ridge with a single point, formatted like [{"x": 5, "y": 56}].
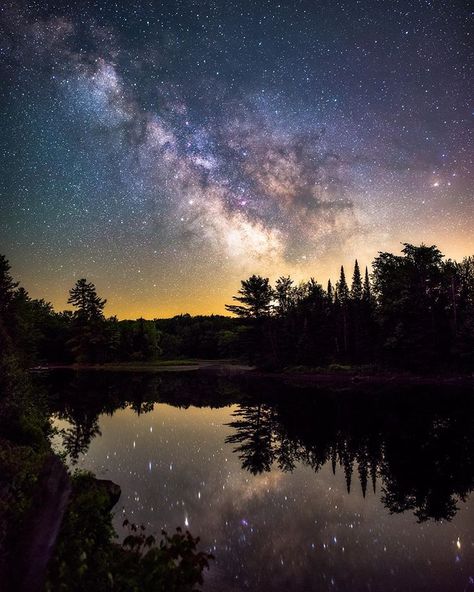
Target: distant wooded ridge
[{"x": 414, "y": 311}]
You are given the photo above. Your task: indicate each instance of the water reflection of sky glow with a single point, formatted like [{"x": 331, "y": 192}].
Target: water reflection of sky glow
[{"x": 284, "y": 531}]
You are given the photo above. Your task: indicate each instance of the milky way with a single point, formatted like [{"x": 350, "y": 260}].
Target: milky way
[{"x": 167, "y": 150}]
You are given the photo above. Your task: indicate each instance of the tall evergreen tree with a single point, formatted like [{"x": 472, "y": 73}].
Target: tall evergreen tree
[
  {"x": 84, "y": 297},
  {"x": 356, "y": 320},
  {"x": 367, "y": 290},
  {"x": 7, "y": 285},
  {"x": 343, "y": 298},
  {"x": 356, "y": 288},
  {"x": 89, "y": 339},
  {"x": 255, "y": 297},
  {"x": 330, "y": 291},
  {"x": 342, "y": 287}
]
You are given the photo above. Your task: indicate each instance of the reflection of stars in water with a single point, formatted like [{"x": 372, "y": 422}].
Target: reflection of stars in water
[{"x": 297, "y": 519}]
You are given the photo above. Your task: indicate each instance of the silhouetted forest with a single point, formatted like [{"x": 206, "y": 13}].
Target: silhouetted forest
[{"x": 414, "y": 311}]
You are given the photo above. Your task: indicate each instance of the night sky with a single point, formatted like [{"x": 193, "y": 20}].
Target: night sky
[{"x": 167, "y": 150}]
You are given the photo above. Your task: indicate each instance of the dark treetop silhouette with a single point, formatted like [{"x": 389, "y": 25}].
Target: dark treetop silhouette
[{"x": 415, "y": 312}]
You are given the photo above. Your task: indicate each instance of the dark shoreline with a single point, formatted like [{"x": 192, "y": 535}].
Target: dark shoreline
[{"x": 296, "y": 378}]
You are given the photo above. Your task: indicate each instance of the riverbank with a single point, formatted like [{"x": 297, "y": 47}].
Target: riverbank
[
  {"x": 223, "y": 366},
  {"x": 297, "y": 376}
]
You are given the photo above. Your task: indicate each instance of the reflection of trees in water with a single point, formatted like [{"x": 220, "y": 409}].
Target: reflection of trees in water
[
  {"x": 84, "y": 424},
  {"x": 429, "y": 466},
  {"x": 82, "y": 397},
  {"x": 77, "y": 437},
  {"x": 425, "y": 461},
  {"x": 255, "y": 437},
  {"x": 263, "y": 441},
  {"x": 420, "y": 443}
]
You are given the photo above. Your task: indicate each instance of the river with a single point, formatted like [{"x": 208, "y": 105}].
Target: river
[{"x": 289, "y": 488}]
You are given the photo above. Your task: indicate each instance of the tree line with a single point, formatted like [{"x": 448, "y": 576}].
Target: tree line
[
  {"x": 413, "y": 311},
  {"x": 41, "y": 335}
]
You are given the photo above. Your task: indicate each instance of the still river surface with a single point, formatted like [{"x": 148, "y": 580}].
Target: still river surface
[{"x": 289, "y": 488}]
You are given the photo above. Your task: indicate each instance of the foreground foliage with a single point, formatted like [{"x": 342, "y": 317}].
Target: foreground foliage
[{"x": 88, "y": 559}]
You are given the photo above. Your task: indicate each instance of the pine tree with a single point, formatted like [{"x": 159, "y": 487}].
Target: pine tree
[
  {"x": 356, "y": 289},
  {"x": 342, "y": 287},
  {"x": 89, "y": 340},
  {"x": 330, "y": 292},
  {"x": 7, "y": 285},
  {"x": 84, "y": 297},
  {"x": 366, "y": 290},
  {"x": 343, "y": 297},
  {"x": 255, "y": 296}
]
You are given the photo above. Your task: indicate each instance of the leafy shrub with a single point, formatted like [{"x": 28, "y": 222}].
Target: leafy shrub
[{"x": 87, "y": 558}]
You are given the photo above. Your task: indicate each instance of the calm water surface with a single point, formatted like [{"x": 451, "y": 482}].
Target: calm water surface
[{"x": 290, "y": 490}]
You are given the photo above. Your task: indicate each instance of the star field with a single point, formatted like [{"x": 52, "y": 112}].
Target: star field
[{"x": 166, "y": 150}]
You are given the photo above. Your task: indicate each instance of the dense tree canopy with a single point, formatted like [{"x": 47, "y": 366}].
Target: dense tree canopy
[{"x": 415, "y": 311}]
